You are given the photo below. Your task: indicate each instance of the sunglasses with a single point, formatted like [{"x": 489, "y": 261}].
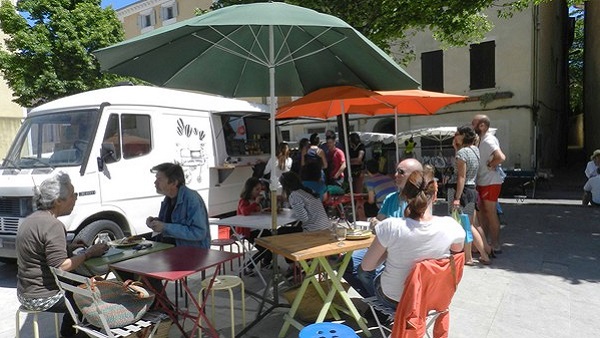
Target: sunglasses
[{"x": 400, "y": 171}]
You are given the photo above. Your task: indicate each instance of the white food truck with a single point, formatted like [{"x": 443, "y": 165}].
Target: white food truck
[{"x": 107, "y": 140}]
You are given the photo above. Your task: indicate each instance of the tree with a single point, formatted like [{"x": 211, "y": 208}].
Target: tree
[
  {"x": 576, "y": 63},
  {"x": 48, "y": 55},
  {"x": 452, "y": 22}
]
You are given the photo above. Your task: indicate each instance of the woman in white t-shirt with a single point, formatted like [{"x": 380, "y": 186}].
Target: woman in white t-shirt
[{"x": 403, "y": 242}]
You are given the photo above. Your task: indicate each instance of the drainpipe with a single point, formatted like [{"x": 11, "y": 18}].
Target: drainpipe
[{"x": 534, "y": 83}]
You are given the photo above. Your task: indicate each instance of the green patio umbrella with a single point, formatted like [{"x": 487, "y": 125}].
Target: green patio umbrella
[
  {"x": 229, "y": 52},
  {"x": 262, "y": 49}
]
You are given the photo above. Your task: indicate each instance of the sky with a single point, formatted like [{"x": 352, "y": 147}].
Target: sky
[{"x": 116, "y": 4}]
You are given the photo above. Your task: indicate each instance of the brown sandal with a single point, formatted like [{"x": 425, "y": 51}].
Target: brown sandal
[{"x": 484, "y": 262}]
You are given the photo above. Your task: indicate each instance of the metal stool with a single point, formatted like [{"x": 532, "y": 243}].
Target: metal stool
[
  {"x": 226, "y": 283},
  {"x": 222, "y": 243},
  {"x": 36, "y": 331},
  {"x": 327, "y": 330}
]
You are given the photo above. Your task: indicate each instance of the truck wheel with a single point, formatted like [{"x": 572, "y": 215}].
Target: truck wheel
[{"x": 89, "y": 234}]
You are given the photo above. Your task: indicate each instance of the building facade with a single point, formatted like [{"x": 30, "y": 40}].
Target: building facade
[
  {"x": 146, "y": 15},
  {"x": 517, "y": 76}
]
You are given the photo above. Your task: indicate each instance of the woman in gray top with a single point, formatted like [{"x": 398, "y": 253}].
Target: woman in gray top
[
  {"x": 461, "y": 189},
  {"x": 41, "y": 243}
]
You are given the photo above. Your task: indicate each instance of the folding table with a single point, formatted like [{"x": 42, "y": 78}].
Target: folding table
[
  {"x": 176, "y": 264},
  {"x": 316, "y": 246},
  {"x": 258, "y": 221}
]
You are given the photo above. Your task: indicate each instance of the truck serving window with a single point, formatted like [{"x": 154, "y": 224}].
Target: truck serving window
[
  {"x": 246, "y": 135},
  {"x": 53, "y": 140}
]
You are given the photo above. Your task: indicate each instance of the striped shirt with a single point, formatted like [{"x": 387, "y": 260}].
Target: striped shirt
[
  {"x": 381, "y": 185},
  {"x": 309, "y": 210}
]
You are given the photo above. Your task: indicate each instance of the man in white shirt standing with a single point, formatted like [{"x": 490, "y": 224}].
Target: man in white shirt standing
[{"x": 489, "y": 178}]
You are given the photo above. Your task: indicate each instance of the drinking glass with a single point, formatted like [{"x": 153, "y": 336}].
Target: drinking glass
[
  {"x": 340, "y": 234},
  {"x": 334, "y": 224}
]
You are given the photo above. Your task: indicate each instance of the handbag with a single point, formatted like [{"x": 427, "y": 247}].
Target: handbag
[
  {"x": 463, "y": 220},
  {"x": 121, "y": 303}
]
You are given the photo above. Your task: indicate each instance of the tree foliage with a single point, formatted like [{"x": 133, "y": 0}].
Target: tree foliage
[
  {"x": 576, "y": 64},
  {"x": 49, "y": 55},
  {"x": 386, "y": 22}
]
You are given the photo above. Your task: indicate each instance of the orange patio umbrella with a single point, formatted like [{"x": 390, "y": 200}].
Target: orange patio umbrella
[
  {"x": 333, "y": 101},
  {"x": 414, "y": 101},
  {"x": 329, "y": 102}
]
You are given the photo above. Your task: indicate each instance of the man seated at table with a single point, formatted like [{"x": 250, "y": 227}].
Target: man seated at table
[
  {"x": 183, "y": 217},
  {"x": 378, "y": 186},
  {"x": 393, "y": 206},
  {"x": 591, "y": 190}
]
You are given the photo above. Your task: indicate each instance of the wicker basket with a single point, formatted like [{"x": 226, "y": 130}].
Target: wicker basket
[{"x": 120, "y": 304}]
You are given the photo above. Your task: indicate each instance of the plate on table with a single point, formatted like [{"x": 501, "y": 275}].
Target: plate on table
[
  {"x": 359, "y": 235},
  {"x": 126, "y": 241}
]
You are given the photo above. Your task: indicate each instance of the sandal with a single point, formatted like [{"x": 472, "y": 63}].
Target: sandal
[
  {"x": 469, "y": 263},
  {"x": 484, "y": 262}
]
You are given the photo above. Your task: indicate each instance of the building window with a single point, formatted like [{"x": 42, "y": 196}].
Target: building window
[
  {"x": 432, "y": 71},
  {"x": 483, "y": 65},
  {"x": 168, "y": 13},
  {"x": 146, "y": 20},
  {"x": 285, "y": 135}
]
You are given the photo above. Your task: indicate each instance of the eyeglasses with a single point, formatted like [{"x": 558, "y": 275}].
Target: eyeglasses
[{"x": 400, "y": 171}]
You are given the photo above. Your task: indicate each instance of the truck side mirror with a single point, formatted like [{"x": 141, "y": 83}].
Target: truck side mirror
[{"x": 107, "y": 155}]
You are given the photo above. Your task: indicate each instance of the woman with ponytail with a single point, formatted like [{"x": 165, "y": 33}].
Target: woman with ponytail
[{"x": 403, "y": 242}]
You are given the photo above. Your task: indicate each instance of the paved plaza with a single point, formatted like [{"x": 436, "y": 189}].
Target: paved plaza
[{"x": 544, "y": 284}]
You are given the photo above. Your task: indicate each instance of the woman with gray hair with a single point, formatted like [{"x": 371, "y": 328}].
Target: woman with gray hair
[{"x": 41, "y": 243}]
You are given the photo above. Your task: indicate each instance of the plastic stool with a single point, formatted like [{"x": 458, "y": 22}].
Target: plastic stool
[
  {"x": 226, "y": 283},
  {"x": 36, "y": 331},
  {"x": 327, "y": 330},
  {"x": 221, "y": 243}
]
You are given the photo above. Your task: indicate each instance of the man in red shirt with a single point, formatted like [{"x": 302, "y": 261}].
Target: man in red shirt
[{"x": 336, "y": 163}]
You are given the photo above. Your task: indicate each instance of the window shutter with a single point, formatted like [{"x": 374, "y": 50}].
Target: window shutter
[
  {"x": 152, "y": 18},
  {"x": 483, "y": 65},
  {"x": 175, "y": 9},
  {"x": 432, "y": 71}
]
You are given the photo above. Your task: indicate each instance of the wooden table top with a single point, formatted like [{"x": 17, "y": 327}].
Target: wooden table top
[{"x": 306, "y": 245}]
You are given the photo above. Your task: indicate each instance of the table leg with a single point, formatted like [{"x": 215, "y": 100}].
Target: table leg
[
  {"x": 201, "y": 313},
  {"x": 289, "y": 317},
  {"x": 335, "y": 278},
  {"x": 249, "y": 260},
  {"x": 164, "y": 303}
]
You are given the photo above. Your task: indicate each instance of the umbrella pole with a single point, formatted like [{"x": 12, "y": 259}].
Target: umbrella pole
[
  {"x": 396, "y": 133},
  {"x": 345, "y": 129},
  {"x": 274, "y": 178}
]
